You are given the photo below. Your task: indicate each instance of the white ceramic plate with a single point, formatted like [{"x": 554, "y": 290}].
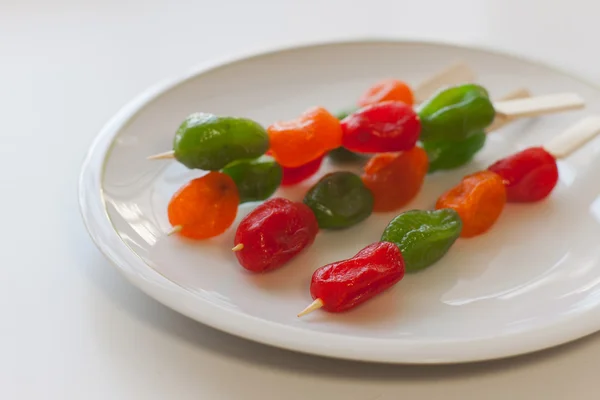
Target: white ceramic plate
[{"x": 530, "y": 283}]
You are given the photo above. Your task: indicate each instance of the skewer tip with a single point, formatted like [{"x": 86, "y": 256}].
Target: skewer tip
[
  {"x": 162, "y": 156},
  {"x": 175, "y": 229},
  {"x": 238, "y": 247},
  {"x": 315, "y": 305}
]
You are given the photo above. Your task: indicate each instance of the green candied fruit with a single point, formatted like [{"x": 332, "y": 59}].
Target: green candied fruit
[
  {"x": 339, "y": 200},
  {"x": 447, "y": 154},
  {"x": 342, "y": 155},
  {"x": 255, "y": 179},
  {"x": 209, "y": 142},
  {"x": 422, "y": 236},
  {"x": 456, "y": 113},
  {"x": 344, "y": 113}
]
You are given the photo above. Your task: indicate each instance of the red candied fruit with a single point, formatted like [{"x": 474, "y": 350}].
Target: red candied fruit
[
  {"x": 529, "y": 175},
  {"x": 345, "y": 284},
  {"x": 291, "y": 176},
  {"x": 389, "y": 126},
  {"x": 274, "y": 233}
]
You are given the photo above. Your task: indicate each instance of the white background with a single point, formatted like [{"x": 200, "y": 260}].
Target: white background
[{"x": 72, "y": 328}]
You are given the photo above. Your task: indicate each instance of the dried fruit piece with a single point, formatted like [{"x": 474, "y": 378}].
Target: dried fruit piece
[
  {"x": 205, "y": 207},
  {"x": 291, "y": 176},
  {"x": 479, "y": 200},
  {"x": 255, "y": 179},
  {"x": 529, "y": 175},
  {"x": 423, "y": 236},
  {"x": 448, "y": 154},
  {"x": 343, "y": 285},
  {"x": 456, "y": 113},
  {"x": 395, "y": 178},
  {"x": 382, "y": 127},
  {"x": 339, "y": 200},
  {"x": 209, "y": 142},
  {"x": 304, "y": 139},
  {"x": 273, "y": 234}
]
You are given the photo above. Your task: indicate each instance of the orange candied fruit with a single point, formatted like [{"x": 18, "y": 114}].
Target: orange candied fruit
[
  {"x": 385, "y": 90},
  {"x": 304, "y": 139},
  {"x": 395, "y": 178},
  {"x": 479, "y": 200},
  {"x": 205, "y": 207}
]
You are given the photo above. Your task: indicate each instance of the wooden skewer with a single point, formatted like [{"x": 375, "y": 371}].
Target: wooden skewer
[
  {"x": 162, "y": 156},
  {"x": 539, "y": 105},
  {"x": 574, "y": 137},
  {"x": 502, "y": 120},
  {"x": 315, "y": 305},
  {"x": 238, "y": 247},
  {"x": 176, "y": 228},
  {"x": 453, "y": 75}
]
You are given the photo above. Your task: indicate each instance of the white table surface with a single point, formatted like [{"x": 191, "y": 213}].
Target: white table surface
[{"x": 73, "y": 328}]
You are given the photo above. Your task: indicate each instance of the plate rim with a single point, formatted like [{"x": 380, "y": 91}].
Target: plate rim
[{"x": 97, "y": 222}]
